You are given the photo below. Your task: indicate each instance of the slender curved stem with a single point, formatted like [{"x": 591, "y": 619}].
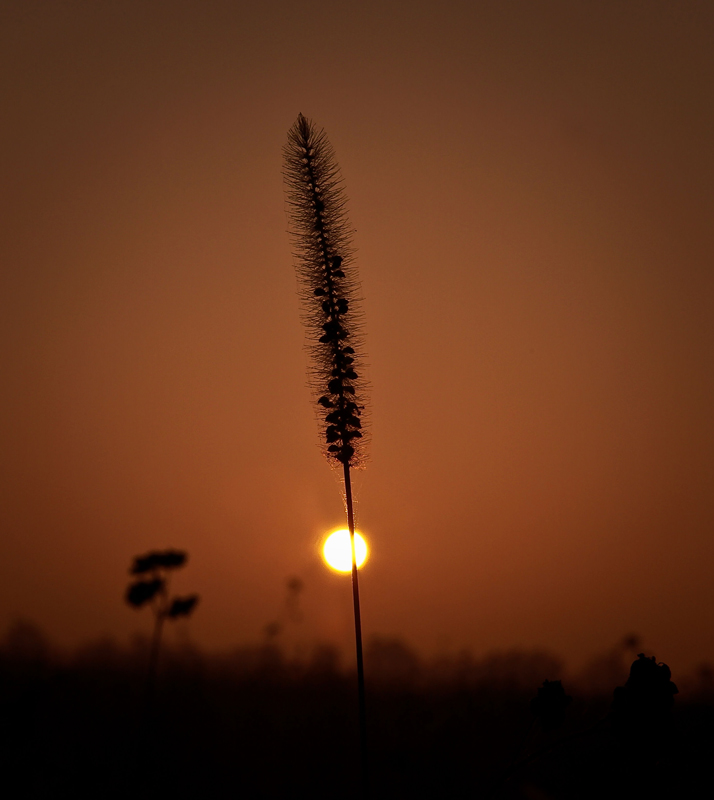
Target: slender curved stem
[
  {"x": 154, "y": 659},
  {"x": 358, "y": 634}
]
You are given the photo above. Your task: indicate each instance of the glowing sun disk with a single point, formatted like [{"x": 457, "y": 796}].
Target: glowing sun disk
[{"x": 337, "y": 550}]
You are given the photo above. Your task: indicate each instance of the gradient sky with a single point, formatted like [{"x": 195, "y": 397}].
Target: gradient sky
[{"x": 531, "y": 189}]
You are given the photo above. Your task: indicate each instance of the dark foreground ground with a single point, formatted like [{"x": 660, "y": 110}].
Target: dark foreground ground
[{"x": 251, "y": 725}]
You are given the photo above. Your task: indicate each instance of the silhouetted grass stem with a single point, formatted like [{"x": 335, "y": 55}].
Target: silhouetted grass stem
[
  {"x": 323, "y": 252},
  {"x": 358, "y": 633}
]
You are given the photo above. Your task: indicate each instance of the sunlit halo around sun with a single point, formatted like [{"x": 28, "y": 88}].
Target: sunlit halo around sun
[{"x": 337, "y": 550}]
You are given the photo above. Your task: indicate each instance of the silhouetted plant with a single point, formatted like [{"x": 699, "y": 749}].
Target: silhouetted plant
[
  {"x": 549, "y": 705},
  {"x": 323, "y": 253},
  {"x": 648, "y": 695},
  {"x": 640, "y": 708},
  {"x": 548, "y": 708},
  {"x": 153, "y": 588}
]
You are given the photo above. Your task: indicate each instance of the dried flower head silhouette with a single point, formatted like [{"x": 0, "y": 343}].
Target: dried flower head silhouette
[{"x": 323, "y": 252}]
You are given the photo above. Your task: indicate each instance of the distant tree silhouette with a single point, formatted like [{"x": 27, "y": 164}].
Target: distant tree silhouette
[
  {"x": 550, "y": 704},
  {"x": 647, "y": 697},
  {"x": 26, "y": 644},
  {"x": 641, "y": 713},
  {"x": 391, "y": 662}
]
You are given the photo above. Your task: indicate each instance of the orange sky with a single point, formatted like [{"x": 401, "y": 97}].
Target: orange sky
[{"x": 530, "y": 185}]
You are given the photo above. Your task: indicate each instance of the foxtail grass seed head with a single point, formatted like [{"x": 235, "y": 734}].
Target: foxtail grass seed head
[{"x": 324, "y": 259}]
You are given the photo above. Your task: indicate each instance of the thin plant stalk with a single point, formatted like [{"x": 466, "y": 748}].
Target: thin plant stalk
[
  {"x": 145, "y": 762},
  {"x": 323, "y": 254},
  {"x": 151, "y": 587},
  {"x": 159, "y": 617},
  {"x": 361, "y": 696}
]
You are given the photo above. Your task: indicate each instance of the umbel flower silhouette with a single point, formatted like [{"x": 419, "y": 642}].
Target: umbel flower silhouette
[
  {"x": 324, "y": 259},
  {"x": 151, "y": 587}
]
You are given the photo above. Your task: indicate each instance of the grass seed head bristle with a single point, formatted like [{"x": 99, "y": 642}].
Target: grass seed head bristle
[{"x": 323, "y": 253}]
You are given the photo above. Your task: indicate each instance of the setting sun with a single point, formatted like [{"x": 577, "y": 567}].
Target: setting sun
[{"x": 337, "y": 551}]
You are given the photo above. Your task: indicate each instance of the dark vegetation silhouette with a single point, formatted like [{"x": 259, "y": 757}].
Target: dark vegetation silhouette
[
  {"x": 254, "y": 723},
  {"x": 151, "y": 588},
  {"x": 324, "y": 258}
]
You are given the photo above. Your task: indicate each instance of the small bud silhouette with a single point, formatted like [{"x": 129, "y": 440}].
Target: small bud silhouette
[
  {"x": 295, "y": 585},
  {"x": 549, "y": 705}
]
